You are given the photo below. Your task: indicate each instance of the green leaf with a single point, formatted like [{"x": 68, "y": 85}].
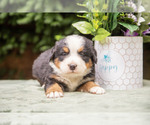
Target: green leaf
[
  {"x": 131, "y": 27},
  {"x": 113, "y": 17},
  {"x": 84, "y": 27},
  {"x": 25, "y": 20},
  {"x": 58, "y": 37},
  {"x": 3, "y": 15},
  {"x": 113, "y": 5},
  {"x": 101, "y": 34},
  {"x": 43, "y": 48}
]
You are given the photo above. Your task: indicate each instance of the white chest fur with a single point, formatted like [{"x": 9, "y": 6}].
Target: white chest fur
[{"x": 72, "y": 82}]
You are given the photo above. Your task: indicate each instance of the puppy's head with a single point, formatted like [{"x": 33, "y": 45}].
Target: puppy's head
[{"x": 73, "y": 55}]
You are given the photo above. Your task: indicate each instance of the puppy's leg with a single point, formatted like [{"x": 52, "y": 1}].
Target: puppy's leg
[
  {"x": 53, "y": 91},
  {"x": 91, "y": 87}
]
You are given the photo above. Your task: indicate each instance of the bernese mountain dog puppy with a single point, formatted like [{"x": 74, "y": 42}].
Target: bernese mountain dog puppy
[{"x": 68, "y": 66}]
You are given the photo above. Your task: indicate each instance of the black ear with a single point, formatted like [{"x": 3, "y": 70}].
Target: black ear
[
  {"x": 52, "y": 53},
  {"x": 58, "y": 44},
  {"x": 53, "y": 50},
  {"x": 93, "y": 51},
  {"x": 94, "y": 55}
]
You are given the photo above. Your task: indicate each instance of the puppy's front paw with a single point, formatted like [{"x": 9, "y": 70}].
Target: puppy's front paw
[
  {"x": 91, "y": 87},
  {"x": 54, "y": 94},
  {"x": 97, "y": 90},
  {"x": 54, "y": 91}
]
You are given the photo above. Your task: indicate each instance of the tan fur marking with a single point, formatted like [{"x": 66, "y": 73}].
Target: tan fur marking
[
  {"x": 53, "y": 76},
  {"x": 66, "y": 49},
  {"x": 89, "y": 64},
  {"x": 81, "y": 49},
  {"x": 55, "y": 87},
  {"x": 57, "y": 63},
  {"x": 87, "y": 86}
]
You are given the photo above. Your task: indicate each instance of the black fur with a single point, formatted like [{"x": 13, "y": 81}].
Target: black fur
[{"x": 90, "y": 50}]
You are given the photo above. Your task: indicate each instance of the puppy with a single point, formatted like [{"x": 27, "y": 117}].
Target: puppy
[{"x": 68, "y": 66}]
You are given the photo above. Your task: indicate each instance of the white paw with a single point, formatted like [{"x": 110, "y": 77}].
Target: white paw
[
  {"x": 97, "y": 90},
  {"x": 55, "y": 95}
]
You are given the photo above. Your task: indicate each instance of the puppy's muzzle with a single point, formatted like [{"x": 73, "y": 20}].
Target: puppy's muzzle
[{"x": 72, "y": 66}]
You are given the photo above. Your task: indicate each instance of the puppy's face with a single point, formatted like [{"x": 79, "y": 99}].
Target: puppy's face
[{"x": 74, "y": 55}]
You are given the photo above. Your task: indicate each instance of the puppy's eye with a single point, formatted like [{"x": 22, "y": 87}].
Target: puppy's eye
[
  {"x": 64, "y": 54},
  {"x": 82, "y": 53}
]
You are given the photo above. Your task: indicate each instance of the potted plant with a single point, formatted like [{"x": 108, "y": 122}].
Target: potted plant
[{"x": 115, "y": 26}]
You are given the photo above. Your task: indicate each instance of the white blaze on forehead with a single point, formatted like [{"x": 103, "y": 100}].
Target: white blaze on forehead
[{"x": 74, "y": 43}]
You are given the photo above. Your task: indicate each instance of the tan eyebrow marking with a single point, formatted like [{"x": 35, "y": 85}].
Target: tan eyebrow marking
[
  {"x": 57, "y": 63},
  {"x": 66, "y": 49},
  {"x": 80, "y": 49},
  {"x": 89, "y": 64}
]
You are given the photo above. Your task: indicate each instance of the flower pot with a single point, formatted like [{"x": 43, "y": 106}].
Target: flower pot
[{"x": 120, "y": 63}]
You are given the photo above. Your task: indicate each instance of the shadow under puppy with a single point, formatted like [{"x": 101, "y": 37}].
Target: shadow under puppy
[{"x": 68, "y": 66}]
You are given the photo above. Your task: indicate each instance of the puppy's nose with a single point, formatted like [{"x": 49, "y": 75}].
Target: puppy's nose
[{"x": 72, "y": 66}]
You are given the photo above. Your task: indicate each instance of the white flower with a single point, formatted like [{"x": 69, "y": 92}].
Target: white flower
[
  {"x": 132, "y": 5},
  {"x": 140, "y": 20},
  {"x": 133, "y": 17},
  {"x": 141, "y": 9}
]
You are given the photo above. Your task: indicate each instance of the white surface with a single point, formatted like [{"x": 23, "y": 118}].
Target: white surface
[{"x": 24, "y": 102}]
